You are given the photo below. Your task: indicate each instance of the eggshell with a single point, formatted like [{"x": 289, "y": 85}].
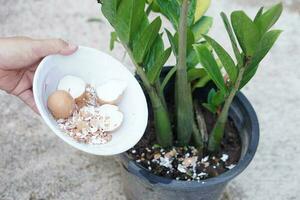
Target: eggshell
[
  {"x": 61, "y": 104},
  {"x": 111, "y": 92}
]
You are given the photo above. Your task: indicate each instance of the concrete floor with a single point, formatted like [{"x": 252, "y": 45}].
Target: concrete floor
[{"x": 35, "y": 164}]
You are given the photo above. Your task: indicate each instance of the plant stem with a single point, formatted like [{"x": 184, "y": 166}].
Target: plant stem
[
  {"x": 183, "y": 93},
  {"x": 162, "y": 122},
  {"x": 160, "y": 92},
  {"x": 197, "y": 138},
  {"x": 201, "y": 121},
  {"x": 218, "y": 130}
]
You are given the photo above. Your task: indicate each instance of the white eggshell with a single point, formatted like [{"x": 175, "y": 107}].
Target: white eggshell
[
  {"x": 111, "y": 91},
  {"x": 111, "y": 117},
  {"x": 72, "y": 84}
]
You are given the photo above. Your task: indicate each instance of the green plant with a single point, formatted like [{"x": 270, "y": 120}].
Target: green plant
[
  {"x": 255, "y": 41},
  {"x": 191, "y": 46}
]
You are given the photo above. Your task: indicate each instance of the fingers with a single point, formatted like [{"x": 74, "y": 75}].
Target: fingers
[
  {"x": 23, "y": 90},
  {"x": 27, "y": 97},
  {"x": 47, "y": 47},
  {"x": 23, "y": 52}
]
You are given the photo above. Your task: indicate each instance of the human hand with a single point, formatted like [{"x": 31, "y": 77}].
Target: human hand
[{"x": 19, "y": 58}]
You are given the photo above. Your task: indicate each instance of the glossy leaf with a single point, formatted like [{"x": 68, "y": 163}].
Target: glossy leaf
[
  {"x": 266, "y": 20},
  {"x": 246, "y": 32},
  {"x": 202, "y": 82},
  {"x": 171, "y": 9},
  {"x": 218, "y": 98},
  {"x": 154, "y": 71},
  {"x": 259, "y": 13},
  {"x": 202, "y": 26},
  {"x": 191, "y": 12},
  {"x": 154, "y": 53},
  {"x": 147, "y": 38},
  {"x": 154, "y": 6},
  {"x": 210, "y": 65},
  {"x": 109, "y": 10},
  {"x": 201, "y": 7},
  {"x": 130, "y": 14},
  {"x": 172, "y": 41},
  {"x": 224, "y": 57},
  {"x": 264, "y": 47},
  {"x": 232, "y": 38},
  {"x": 196, "y": 73},
  {"x": 168, "y": 77}
]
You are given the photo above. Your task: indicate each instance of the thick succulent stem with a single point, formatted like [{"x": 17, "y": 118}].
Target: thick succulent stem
[
  {"x": 218, "y": 130},
  {"x": 183, "y": 93},
  {"x": 162, "y": 121}
]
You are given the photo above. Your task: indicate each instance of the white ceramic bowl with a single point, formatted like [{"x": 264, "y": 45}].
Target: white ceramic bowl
[{"x": 94, "y": 67}]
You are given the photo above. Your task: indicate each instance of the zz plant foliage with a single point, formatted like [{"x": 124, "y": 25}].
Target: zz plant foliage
[{"x": 199, "y": 59}]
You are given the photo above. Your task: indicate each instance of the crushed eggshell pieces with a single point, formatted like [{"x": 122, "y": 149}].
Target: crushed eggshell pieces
[{"x": 94, "y": 115}]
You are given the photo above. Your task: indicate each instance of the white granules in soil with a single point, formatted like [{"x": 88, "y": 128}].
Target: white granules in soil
[{"x": 84, "y": 125}]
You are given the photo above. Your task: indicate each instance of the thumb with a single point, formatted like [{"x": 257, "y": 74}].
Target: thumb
[{"x": 53, "y": 46}]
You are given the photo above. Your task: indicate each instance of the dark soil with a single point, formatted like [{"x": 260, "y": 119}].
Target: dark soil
[{"x": 186, "y": 163}]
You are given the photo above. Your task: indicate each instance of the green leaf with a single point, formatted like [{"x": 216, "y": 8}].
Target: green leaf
[
  {"x": 225, "y": 58},
  {"x": 113, "y": 39},
  {"x": 192, "y": 58},
  {"x": 167, "y": 78},
  {"x": 269, "y": 18},
  {"x": 172, "y": 41},
  {"x": 246, "y": 32},
  {"x": 109, "y": 10},
  {"x": 265, "y": 45},
  {"x": 209, "y": 63},
  {"x": 149, "y": 8},
  {"x": 130, "y": 14},
  {"x": 201, "y": 82},
  {"x": 215, "y": 98},
  {"x": 218, "y": 98},
  {"x": 196, "y": 73},
  {"x": 154, "y": 6},
  {"x": 201, "y": 8},
  {"x": 191, "y": 12},
  {"x": 154, "y": 71},
  {"x": 202, "y": 26},
  {"x": 154, "y": 53},
  {"x": 259, "y": 13},
  {"x": 210, "y": 96},
  {"x": 232, "y": 39},
  {"x": 171, "y": 9},
  {"x": 146, "y": 40}
]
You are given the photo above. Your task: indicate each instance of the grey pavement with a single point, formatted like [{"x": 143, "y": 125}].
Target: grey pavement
[{"x": 35, "y": 164}]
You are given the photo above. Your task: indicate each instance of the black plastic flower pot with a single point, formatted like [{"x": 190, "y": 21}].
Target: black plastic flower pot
[{"x": 141, "y": 184}]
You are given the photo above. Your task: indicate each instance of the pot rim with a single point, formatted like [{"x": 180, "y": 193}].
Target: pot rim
[{"x": 221, "y": 179}]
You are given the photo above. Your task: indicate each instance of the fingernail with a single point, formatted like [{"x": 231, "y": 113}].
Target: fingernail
[{"x": 72, "y": 46}]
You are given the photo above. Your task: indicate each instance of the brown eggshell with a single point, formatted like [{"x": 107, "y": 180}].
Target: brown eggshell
[
  {"x": 61, "y": 104},
  {"x": 82, "y": 100}
]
